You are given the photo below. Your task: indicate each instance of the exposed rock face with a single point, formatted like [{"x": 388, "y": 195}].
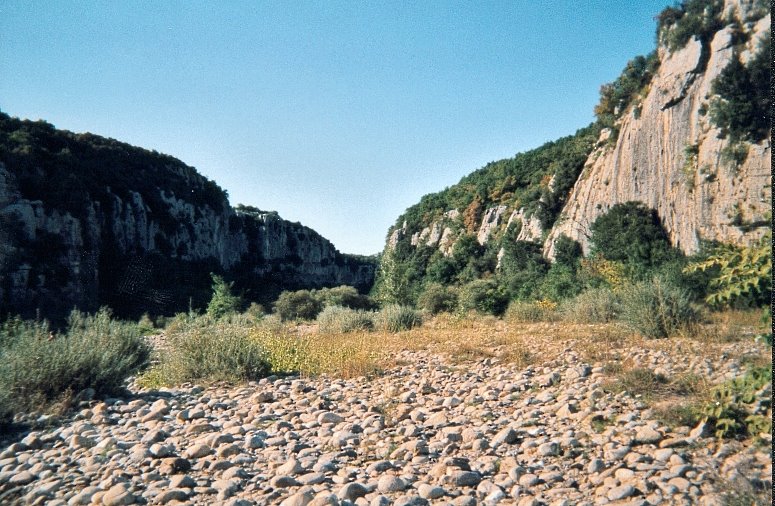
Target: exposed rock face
[
  {"x": 490, "y": 223},
  {"x": 667, "y": 155},
  {"x": 697, "y": 196},
  {"x": 148, "y": 249}
]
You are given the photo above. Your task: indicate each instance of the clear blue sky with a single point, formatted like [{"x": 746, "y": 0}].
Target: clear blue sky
[{"x": 336, "y": 114}]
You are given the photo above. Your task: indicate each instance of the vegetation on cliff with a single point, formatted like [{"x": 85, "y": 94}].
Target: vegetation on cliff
[{"x": 88, "y": 221}]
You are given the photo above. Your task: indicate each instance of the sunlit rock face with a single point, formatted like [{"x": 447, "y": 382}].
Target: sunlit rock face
[{"x": 668, "y": 155}]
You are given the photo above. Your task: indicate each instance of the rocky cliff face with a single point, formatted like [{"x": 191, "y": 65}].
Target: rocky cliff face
[
  {"x": 669, "y": 156},
  {"x": 86, "y": 221},
  {"x": 666, "y": 153}
]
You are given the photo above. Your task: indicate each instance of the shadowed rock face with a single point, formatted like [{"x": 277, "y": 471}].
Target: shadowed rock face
[{"x": 87, "y": 221}]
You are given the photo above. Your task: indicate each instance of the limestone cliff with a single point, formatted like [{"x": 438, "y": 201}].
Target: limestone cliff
[
  {"x": 663, "y": 150},
  {"x": 86, "y": 221},
  {"x": 668, "y": 154}
]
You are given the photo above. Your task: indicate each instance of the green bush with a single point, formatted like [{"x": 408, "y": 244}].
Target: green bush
[
  {"x": 38, "y": 367},
  {"x": 222, "y": 301},
  {"x": 567, "y": 251},
  {"x": 596, "y": 305},
  {"x": 298, "y": 305},
  {"x": 560, "y": 282},
  {"x": 395, "y": 318},
  {"x": 656, "y": 309},
  {"x": 205, "y": 349},
  {"x": 733, "y": 409},
  {"x": 616, "y": 97},
  {"x": 145, "y": 325},
  {"x": 483, "y": 295},
  {"x": 338, "y": 319},
  {"x": 344, "y": 296},
  {"x": 437, "y": 298},
  {"x": 633, "y": 234},
  {"x": 743, "y": 275},
  {"x": 530, "y": 312},
  {"x": 522, "y": 269},
  {"x": 740, "y": 107},
  {"x": 691, "y": 18},
  {"x": 256, "y": 311}
]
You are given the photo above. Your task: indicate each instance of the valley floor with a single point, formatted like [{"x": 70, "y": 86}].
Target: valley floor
[{"x": 454, "y": 422}]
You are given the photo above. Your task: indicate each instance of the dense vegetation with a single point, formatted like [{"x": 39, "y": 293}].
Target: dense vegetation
[
  {"x": 741, "y": 103},
  {"x": 94, "y": 179},
  {"x": 70, "y": 172},
  {"x": 631, "y": 86},
  {"x": 537, "y": 181}
]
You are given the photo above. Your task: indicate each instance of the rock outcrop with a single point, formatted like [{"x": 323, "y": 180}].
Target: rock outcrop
[
  {"x": 669, "y": 156},
  {"x": 139, "y": 237},
  {"x": 665, "y": 152}
]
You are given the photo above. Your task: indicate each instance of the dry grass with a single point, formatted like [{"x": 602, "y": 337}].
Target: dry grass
[
  {"x": 730, "y": 326},
  {"x": 463, "y": 339}
]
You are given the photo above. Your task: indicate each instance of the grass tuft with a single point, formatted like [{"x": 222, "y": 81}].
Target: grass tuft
[
  {"x": 39, "y": 368},
  {"x": 201, "y": 349},
  {"x": 338, "y": 319}
]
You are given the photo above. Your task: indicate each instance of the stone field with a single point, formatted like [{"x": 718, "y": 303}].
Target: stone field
[{"x": 427, "y": 431}]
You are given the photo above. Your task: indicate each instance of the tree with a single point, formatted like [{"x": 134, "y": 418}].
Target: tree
[
  {"x": 392, "y": 285},
  {"x": 222, "y": 301},
  {"x": 633, "y": 234},
  {"x": 741, "y": 107},
  {"x": 567, "y": 251},
  {"x": 522, "y": 268}
]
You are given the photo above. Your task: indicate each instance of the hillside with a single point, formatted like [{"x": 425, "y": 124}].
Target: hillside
[
  {"x": 683, "y": 131},
  {"x": 88, "y": 221}
]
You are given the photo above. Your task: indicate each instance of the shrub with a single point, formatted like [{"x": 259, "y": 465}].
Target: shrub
[
  {"x": 691, "y": 18},
  {"x": 395, "y": 318},
  {"x": 145, "y": 325},
  {"x": 530, "y": 312},
  {"x": 256, "y": 311},
  {"x": 567, "y": 251},
  {"x": 437, "y": 298},
  {"x": 744, "y": 273},
  {"x": 344, "y": 296},
  {"x": 204, "y": 349},
  {"x": 338, "y": 319},
  {"x": 522, "y": 267},
  {"x": 733, "y": 409},
  {"x": 560, "y": 283},
  {"x": 298, "y": 305},
  {"x": 38, "y": 367},
  {"x": 597, "y": 272},
  {"x": 222, "y": 301},
  {"x": 596, "y": 305},
  {"x": 616, "y": 97},
  {"x": 337, "y": 354},
  {"x": 483, "y": 295},
  {"x": 656, "y": 309},
  {"x": 632, "y": 234}
]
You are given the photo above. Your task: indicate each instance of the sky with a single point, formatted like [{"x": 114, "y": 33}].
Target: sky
[{"x": 336, "y": 114}]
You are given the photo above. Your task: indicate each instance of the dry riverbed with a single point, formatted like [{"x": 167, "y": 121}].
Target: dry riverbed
[{"x": 435, "y": 427}]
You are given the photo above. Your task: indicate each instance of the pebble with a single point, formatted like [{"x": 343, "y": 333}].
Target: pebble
[{"x": 428, "y": 431}]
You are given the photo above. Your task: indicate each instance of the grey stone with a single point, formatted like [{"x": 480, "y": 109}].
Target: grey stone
[
  {"x": 352, "y": 491},
  {"x": 620, "y": 492}
]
